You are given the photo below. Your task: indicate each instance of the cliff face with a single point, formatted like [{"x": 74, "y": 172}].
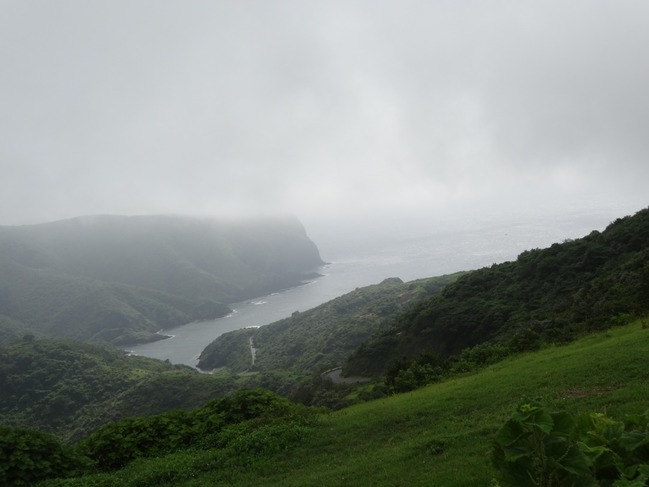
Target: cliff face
[{"x": 114, "y": 277}]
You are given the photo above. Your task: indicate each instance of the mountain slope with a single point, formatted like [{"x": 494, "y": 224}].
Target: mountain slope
[
  {"x": 322, "y": 337},
  {"x": 71, "y": 388},
  {"x": 549, "y": 295},
  {"x": 440, "y": 435},
  {"x": 119, "y": 279}
]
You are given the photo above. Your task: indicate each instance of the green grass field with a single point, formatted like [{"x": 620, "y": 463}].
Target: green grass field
[{"x": 436, "y": 436}]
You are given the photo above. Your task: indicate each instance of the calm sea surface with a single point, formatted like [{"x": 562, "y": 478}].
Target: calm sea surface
[{"x": 408, "y": 258}]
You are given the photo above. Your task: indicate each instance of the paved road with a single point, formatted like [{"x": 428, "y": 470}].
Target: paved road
[{"x": 335, "y": 376}]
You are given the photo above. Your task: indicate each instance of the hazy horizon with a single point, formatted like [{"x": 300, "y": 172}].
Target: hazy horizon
[{"x": 351, "y": 115}]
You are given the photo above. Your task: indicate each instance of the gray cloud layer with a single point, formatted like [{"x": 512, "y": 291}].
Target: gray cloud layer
[{"x": 320, "y": 107}]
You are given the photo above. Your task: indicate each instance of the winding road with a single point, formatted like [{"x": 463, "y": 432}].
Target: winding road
[
  {"x": 335, "y": 376},
  {"x": 253, "y": 352}
]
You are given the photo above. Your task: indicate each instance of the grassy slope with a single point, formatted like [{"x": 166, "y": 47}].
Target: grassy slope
[{"x": 436, "y": 436}]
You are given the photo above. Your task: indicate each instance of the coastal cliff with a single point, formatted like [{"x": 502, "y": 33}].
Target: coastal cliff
[{"x": 121, "y": 278}]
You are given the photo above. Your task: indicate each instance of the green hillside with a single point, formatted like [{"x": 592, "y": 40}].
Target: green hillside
[
  {"x": 547, "y": 295},
  {"x": 45, "y": 302},
  {"x": 320, "y": 338},
  {"x": 120, "y": 279},
  {"x": 71, "y": 388},
  {"x": 561, "y": 329},
  {"x": 440, "y": 435}
]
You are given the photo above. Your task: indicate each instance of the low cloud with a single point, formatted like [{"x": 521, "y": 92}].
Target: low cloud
[{"x": 321, "y": 109}]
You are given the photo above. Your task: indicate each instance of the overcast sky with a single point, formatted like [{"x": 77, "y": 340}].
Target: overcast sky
[{"x": 321, "y": 108}]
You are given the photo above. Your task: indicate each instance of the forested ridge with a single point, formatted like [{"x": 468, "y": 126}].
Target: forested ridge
[
  {"x": 321, "y": 338},
  {"x": 444, "y": 434},
  {"x": 120, "y": 279},
  {"x": 441, "y": 330},
  {"x": 547, "y": 295},
  {"x": 71, "y": 388}
]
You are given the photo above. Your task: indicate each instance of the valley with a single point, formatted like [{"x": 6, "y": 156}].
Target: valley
[
  {"x": 450, "y": 359},
  {"x": 324, "y": 244}
]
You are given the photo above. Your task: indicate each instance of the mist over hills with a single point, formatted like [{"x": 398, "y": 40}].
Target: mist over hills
[{"x": 121, "y": 278}]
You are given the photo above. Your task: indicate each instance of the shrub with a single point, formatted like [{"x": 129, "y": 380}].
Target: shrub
[
  {"x": 525, "y": 340},
  {"x": 114, "y": 446},
  {"x": 407, "y": 374},
  {"x": 541, "y": 449},
  {"x": 28, "y": 456},
  {"x": 118, "y": 444},
  {"x": 480, "y": 356}
]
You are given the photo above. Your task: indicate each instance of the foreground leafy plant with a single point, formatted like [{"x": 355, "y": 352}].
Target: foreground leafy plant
[
  {"x": 619, "y": 450},
  {"x": 537, "y": 448}
]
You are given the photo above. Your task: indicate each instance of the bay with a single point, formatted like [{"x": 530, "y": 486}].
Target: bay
[{"x": 418, "y": 255}]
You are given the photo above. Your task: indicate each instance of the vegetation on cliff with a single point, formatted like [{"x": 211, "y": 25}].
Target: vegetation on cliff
[
  {"x": 523, "y": 347},
  {"x": 120, "y": 279},
  {"x": 546, "y": 296},
  {"x": 440, "y": 435},
  {"x": 249, "y": 423},
  {"x": 321, "y": 338},
  {"x": 71, "y": 388}
]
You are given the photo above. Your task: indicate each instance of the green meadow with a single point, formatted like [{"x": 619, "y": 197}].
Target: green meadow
[{"x": 440, "y": 435}]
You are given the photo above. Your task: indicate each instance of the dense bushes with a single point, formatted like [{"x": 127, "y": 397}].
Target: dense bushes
[
  {"x": 249, "y": 423},
  {"x": 27, "y": 456},
  {"x": 480, "y": 356},
  {"x": 71, "y": 388},
  {"x": 550, "y": 295},
  {"x": 408, "y": 374},
  {"x": 116, "y": 445}
]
